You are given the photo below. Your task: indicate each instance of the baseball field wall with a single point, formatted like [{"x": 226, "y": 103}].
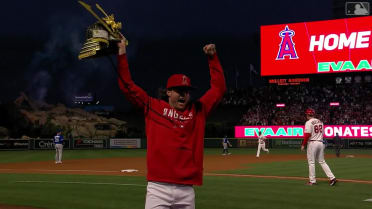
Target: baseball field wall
[
  {"x": 136, "y": 143},
  {"x": 296, "y": 143},
  {"x": 329, "y": 131}
]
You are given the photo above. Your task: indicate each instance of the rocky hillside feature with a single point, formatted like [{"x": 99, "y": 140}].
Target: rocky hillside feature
[{"x": 42, "y": 120}]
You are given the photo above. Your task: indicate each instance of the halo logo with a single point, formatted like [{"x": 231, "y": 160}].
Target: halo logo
[{"x": 286, "y": 47}]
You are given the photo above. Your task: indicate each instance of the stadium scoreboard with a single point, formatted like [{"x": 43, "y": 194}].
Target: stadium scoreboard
[{"x": 319, "y": 47}]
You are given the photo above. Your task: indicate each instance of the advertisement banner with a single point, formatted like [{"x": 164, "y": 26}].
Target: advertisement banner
[
  {"x": 125, "y": 143},
  {"x": 90, "y": 143},
  {"x": 247, "y": 143},
  {"x": 14, "y": 144},
  {"x": 329, "y": 131},
  {"x": 269, "y": 131},
  {"x": 48, "y": 144},
  {"x": 332, "y": 46},
  {"x": 355, "y": 144},
  {"x": 286, "y": 143}
]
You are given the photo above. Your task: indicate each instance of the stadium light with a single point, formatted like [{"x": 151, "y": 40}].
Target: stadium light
[
  {"x": 334, "y": 104},
  {"x": 280, "y": 105}
]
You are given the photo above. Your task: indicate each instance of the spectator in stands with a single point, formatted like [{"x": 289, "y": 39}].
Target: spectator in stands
[{"x": 355, "y": 103}]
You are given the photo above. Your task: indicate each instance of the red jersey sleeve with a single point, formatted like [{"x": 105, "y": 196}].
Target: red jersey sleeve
[
  {"x": 135, "y": 94},
  {"x": 218, "y": 85},
  {"x": 306, "y": 138}
]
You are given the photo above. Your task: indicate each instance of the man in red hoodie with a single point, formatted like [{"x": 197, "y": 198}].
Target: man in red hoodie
[{"x": 175, "y": 132}]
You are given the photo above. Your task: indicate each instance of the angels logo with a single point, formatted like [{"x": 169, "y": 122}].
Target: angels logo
[{"x": 286, "y": 47}]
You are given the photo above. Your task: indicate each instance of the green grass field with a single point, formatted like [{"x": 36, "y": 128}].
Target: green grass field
[{"x": 120, "y": 192}]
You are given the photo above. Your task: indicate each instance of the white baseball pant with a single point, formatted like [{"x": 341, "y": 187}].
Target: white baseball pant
[
  {"x": 59, "y": 149},
  {"x": 315, "y": 152},
  {"x": 169, "y": 196},
  {"x": 261, "y": 146}
]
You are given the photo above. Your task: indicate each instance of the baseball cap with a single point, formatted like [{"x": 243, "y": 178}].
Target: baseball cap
[
  {"x": 310, "y": 111},
  {"x": 179, "y": 80}
]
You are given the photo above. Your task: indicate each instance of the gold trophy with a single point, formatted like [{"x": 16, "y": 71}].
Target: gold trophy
[{"x": 102, "y": 36}]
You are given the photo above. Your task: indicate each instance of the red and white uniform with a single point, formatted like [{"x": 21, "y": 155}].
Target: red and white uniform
[
  {"x": 175, "y": 139},
  {"x": 315, "y": 148},
  {"x": 261, "y": 145}
]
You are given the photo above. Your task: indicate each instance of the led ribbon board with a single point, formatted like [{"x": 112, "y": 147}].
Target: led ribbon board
[
  {"x": 344, "y": 131},
  {"x": 332, "y": 46}
]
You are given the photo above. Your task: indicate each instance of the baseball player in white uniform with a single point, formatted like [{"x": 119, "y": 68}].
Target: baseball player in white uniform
[
  {"x": 315, "y": 147},
  {"x": 261, "y": 144}
]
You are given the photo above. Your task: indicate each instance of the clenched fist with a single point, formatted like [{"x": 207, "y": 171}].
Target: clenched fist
[
  {"x": 122, "y": 45},
  {"x": 209, "y": 49}
]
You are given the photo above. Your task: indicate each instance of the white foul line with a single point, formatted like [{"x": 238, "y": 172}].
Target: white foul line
[
  {"x": 80, "y": 182},
  {"x": 284, "y": 177},
  {"x": 368, "y": 200}
]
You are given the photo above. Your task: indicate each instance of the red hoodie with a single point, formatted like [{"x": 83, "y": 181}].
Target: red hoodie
[{"x": 175, "y": 139}]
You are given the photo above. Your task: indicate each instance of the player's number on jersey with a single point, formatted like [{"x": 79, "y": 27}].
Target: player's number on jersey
[{"x": 318, "y": 128}]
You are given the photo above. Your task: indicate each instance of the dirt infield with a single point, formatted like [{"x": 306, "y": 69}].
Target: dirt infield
[{"x": 113, "y": 166}]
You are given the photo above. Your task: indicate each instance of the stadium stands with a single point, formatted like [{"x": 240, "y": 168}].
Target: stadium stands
[{"x": 355, "y": 104}]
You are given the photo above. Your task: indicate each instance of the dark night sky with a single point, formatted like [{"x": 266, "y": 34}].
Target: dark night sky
[{"x": 40, "y": 41}]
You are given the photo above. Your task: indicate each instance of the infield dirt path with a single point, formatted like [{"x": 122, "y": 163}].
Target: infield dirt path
[{"x": 113, "y": 166}]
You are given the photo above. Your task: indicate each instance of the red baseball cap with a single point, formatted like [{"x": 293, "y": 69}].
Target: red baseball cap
[
  {"x": 310, "y": 111},
  {"x": 179, "y": 80}
]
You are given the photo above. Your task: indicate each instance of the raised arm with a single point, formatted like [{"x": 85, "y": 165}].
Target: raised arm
[
  {"x": 135, "y": 94},
  {"x": 218, "y": 85}
]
